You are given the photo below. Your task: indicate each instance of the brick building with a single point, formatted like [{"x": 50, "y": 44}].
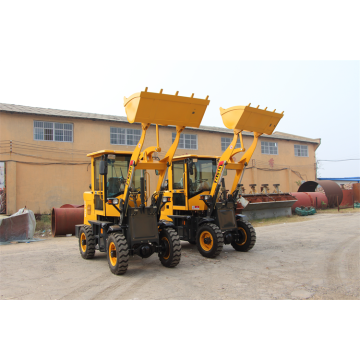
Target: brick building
[{"x": 43, "y": 160}]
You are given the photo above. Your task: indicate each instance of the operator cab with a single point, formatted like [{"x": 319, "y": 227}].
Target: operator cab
[
  {"x": 117, "y": 169},
  {"x": 191, "y": 176}
]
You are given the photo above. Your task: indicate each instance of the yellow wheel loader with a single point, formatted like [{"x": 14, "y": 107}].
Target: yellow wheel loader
[
  {"x": 202, "y": 210},
  {"x": 117, "y": 218}
]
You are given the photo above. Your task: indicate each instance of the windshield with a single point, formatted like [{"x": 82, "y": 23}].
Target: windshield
[
  {"x": 203, "y": 176},
  {"x": 118, "y": 166}
]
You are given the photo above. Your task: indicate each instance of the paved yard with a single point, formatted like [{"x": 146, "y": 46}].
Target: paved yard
[{"x": 314, "y": 259}]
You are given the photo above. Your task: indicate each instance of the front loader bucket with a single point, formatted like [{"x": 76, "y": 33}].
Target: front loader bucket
[
  {"x": 163, "y": 109},
  {"x": 250, "y": 119},
  {"x": 261, "y": 206}
]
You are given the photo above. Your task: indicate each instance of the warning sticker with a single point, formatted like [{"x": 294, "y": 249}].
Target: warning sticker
[{"x": 196, "y": 207}]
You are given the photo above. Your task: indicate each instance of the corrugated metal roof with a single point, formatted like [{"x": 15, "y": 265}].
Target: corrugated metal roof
[
  {"x": 21, "y": 109},
  {"x": 356, "y": 178},
  {"x": 60, "y": 113}
]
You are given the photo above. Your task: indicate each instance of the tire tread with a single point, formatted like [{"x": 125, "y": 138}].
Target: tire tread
[
  {"x": 122, "y": 254},
  {"x": 90, "y": 243}
]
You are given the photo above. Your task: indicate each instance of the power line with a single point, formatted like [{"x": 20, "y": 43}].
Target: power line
[
  {"x": 47, "y": 163},
  {"x": 339, "y": 160}
]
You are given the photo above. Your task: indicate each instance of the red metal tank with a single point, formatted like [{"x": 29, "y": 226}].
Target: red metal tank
[
  {"x": 331, "y": 188},
  {"x": 71, "y": 206},
  {"x": 356, "y": 190},
  {"x": 316, "y": 199},
  {"x": 348, "y": 196},
  {"x": 63, "y": 220}
]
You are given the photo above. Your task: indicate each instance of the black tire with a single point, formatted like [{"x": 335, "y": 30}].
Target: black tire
[
  {"x": 86, "y": 243},
  {"x": 247, "y": 236},
  {"x": 209, "y": 232},
  {"x": 170, "y": 242},
  {"x": 117, "y": 253}
]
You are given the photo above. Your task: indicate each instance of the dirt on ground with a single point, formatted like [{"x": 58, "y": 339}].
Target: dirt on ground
[{"x": 314, "y": 259}]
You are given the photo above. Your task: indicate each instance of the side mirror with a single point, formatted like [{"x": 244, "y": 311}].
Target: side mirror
[
  {"x": 157, "y": 172},
  {"x": 103, "y": 167},
  {"x": 90, "y": 186}
]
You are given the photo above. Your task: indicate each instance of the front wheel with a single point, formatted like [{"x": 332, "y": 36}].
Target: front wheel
[
  {"x": 171, "y": 248},
  {"x": 210, "y": 240},
  {"x": 117, "y": 253},
  {"x": 247, "y": 236},
  {"x": 86, "y": 243}
]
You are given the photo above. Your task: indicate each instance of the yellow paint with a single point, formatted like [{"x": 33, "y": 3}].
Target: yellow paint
[
  {"x": 218, "y": 173},
  {"x": 163, "y": 109},
  {"x": 238, "y": 118},
  {"x": 203, "y": 235},
  {"x": 250, "y": 119},
  {"x": 245, "y": 236},
  {"x": 196, "y": 202},
  {"x": 113, "y": 259},
  {"x": 83, "y": 247},
  {"x": 142, "y": 107}
]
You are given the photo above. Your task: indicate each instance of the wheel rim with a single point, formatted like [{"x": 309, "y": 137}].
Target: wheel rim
[
  {"x": 245, "y": 236},
  {"x": 206, "y": 235},
  {"x": 167, "y": 247},
  {"x": 82, "y": 238},
  {"x": 112, "y": 259}
]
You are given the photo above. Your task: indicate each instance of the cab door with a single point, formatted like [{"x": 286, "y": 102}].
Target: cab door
[
  {"x": 179, "y": 185},
  {"x": 98, "y": 190}
]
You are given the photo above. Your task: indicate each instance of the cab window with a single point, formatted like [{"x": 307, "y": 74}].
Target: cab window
[{"x": 203, "y": 176}]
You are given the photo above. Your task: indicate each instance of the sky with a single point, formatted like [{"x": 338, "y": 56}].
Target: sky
[{"x": 85, "y": 57}]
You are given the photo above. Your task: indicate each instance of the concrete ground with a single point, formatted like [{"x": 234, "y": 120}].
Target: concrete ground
[{"x": 314, "y": 259}]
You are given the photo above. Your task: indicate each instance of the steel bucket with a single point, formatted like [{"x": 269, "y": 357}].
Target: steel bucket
[
  {"x": 250, "y": 119},
  {"x": 163, "y": 109}
]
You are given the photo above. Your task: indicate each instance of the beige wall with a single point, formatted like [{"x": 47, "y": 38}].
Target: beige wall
[{"x": 40, "y": 187}]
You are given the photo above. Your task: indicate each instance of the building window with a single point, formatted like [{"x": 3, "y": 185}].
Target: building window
[
  {"x": 269, "y": 148},
  {"x": 187, "y": 141},
  {"x": 301, "y": 150},
  {"x": 120, "y": 136},
  {"x": 53, "y": 131},
  {"x": 225, "y": 142}
]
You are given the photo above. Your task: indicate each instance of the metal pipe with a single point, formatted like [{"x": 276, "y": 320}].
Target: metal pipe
[{"x": 63, "y": 220}]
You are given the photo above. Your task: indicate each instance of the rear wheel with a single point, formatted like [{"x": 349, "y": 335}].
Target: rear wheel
[
  {"x": 171, "y": 248},
  {"x": 210, "y": 240},
  {"x": 247, "y": 236},
  {"x": 117, "y": 253},
  {"x": 86, "y": 243}
]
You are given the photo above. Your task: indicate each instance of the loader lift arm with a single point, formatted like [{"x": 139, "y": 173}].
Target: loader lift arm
[{"x": 240, "y": 118}]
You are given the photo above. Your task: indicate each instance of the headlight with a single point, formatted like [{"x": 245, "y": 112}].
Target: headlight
[
  {"x": 166, "y": 199},
  {"x": 113, "y": 201},
  {"x": 205, "y": 197}
]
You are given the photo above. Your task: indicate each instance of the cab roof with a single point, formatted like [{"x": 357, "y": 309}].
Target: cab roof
[
  {"x": 186, "y": 156},
  {"x": 104, "y": 152}
]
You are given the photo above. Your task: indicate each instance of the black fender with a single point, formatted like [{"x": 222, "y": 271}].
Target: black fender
[
  {"x": 162, "y": 224},
  {"x": 77, "y": 229},
  {"x": 205, "y": 220},
  {"x": 114, "y": 228},
  {"x": 240, "y": 217}
]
